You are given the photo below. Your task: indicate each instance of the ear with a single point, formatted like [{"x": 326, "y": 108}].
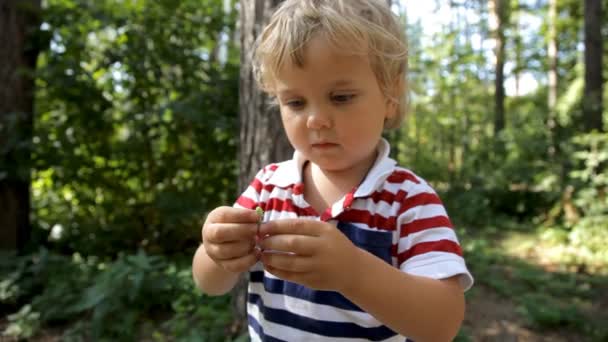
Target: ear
[{"x": 392, "y": 100}]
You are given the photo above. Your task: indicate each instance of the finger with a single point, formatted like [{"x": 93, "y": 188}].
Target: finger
[
  {"x": 241, "y": 264},
  {"x": 303, "y": 245},
  {"x": 231, "y": 250},
  {"x": 285, "y": 275},
  {"x": 232, "y": 215},
  {"x": 291, "y": 226},
  {"x": 286, "y": 262},
  {"x": 229, "y": 232}
]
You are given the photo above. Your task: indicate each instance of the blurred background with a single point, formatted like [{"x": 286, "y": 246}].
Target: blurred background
[{"x": 124, "y": 122}]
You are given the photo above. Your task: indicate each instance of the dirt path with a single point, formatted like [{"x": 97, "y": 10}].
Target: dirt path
[{"x": 492, "y": 318}]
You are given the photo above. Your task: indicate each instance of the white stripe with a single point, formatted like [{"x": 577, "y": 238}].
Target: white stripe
[
  {"x": 406, "y": 184},
  {"x": 279, "y": 193},
  {"x": 251, "y": 194},
  {"x": 272, "y": 215},
  {"x": 253, "y": 335},
  {"x": 439, "y": 265},
  {"x": 283, "y": 194},
  {"x": 292, "y": 334},
  {"x": 421, "y": 212},
  {"x": 417, "y": 189},
  {"x": 390, "y": 187},
  {"x": 422, "y": 260},
  {"x": 427, "y": 235},
  {"x": 381, "y": 208},
  {"x": 309, "y": 309}
]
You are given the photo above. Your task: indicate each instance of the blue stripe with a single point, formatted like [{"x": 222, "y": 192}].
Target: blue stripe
[
  {"x": 324, "y": 328},
  {"x": 260, "y": 331},
  {"x": 282, "y": 287}
]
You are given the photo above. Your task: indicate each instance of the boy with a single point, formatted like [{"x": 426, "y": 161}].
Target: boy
[{"x": 353, "y": 246}]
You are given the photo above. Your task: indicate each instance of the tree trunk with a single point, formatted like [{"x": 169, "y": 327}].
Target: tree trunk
[
  {"x": 19, "y": 20},
  {"x": 497, "y": 9},
  {"x": 592, "y": 101},
  {"x": 518, "y": 45},
  {"x": 262, "y": 140},
  {"x": 552, "y": 76}
]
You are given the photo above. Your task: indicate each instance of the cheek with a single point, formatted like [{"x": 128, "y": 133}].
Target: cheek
[
  {"x": 296, "y": 132},
  {"x": 364, "y": 126}
]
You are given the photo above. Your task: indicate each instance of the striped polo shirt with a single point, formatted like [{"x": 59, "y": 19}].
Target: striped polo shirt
[{"x": 393, "y": 214}]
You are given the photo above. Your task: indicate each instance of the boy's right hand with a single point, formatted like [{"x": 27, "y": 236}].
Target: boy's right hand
[{"x": 229, "y": 238}]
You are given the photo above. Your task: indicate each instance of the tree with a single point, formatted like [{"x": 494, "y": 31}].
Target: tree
[
  {"x": 498, "y": 10},
  {"x": 552, "y": 75},
  {"x": 592, "y": 101},
  {"x": 262, "y": 140},
  {"x": 19, "y": 21}
]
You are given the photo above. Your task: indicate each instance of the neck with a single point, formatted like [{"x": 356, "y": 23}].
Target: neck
[{"x": 342, "y": 180}]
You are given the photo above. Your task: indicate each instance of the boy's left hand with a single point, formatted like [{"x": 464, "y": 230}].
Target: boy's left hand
[{"x": 321, "y": 257}]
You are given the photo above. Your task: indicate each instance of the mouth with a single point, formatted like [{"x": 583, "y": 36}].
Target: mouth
[{"x": 324, "y": 145}]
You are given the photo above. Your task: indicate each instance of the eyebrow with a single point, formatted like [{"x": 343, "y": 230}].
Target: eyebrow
[{"x": 337, "y": 83}]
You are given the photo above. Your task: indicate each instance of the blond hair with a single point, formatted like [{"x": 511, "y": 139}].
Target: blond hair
[{"x": 362, "y": 27}]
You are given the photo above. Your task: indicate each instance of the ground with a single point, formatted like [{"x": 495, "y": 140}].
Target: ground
[
  {"x": 489, "y": 317},
  {"x": 519, "y": 266}
]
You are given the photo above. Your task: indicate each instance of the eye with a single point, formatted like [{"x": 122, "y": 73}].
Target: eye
[
  {"x": 295, "y": 104},
  {"x": 342, "y": 98}
]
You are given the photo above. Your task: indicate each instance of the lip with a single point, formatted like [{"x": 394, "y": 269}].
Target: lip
[{"x": 324, "y": 145}]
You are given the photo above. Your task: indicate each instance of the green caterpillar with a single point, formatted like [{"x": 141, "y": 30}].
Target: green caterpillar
[{"x": 260, "y": 212}]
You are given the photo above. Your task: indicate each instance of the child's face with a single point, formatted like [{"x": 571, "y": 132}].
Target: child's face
[{"x": 333, "y": 109}]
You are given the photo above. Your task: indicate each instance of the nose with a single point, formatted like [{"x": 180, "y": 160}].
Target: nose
[{"x": 319, "y": 118}]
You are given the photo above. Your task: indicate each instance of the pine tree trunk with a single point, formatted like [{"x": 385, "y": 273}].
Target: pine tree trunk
[
  {"x": 18, "y": 54},
  {"x": 519, "y": 46},
  {"x": 552, "y": 76},
  {"x": 497, "y": 9},
  {"x": 592, "y": 101},
  {"x": 262, "y": 140}
]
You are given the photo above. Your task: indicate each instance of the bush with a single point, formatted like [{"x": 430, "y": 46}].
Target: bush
[{"x": 109, "y": 301}]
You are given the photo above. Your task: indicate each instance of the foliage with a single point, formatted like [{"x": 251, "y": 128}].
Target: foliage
[
  {"x": 591, "y": 179},
  {"x": 196, "y": 318},
  {"x": 136, "y": 106},
  {"x": 580, "y": 232},
  {"x": 110, "y": 300}
]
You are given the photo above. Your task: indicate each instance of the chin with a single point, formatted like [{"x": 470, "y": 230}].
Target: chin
[{"x": 329, "y": 166}]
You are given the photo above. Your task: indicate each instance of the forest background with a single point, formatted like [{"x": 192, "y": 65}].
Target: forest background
[{"x": 123, "y": 122}]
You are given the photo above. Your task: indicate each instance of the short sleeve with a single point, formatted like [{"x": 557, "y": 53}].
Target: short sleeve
[
  {"x": 250, "y": 198},
  {"x": 428, "y": 245}
]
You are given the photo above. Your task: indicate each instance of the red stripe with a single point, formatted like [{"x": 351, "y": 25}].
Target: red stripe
[
  {"x": 388, "y": 196},
  {"x": 298, "y": 189},
  {"x": 271, "y": 167},
  {"x": 288, "y": 206},
  {"x": 426, "y": 223},
  {"x": 364, "y": 216},
  {"x": 400, "y": 176},
  {"x": 349, "y": 198},
  {"x": 418, "y": 200},
  {"x": 246, "y": 202},
  {"x": 257, "y": 185},
  {"x": 431, "y": 246}
]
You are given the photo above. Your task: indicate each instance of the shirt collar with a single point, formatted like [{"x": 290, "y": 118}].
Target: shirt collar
[{"x": 290, "y": 172}]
